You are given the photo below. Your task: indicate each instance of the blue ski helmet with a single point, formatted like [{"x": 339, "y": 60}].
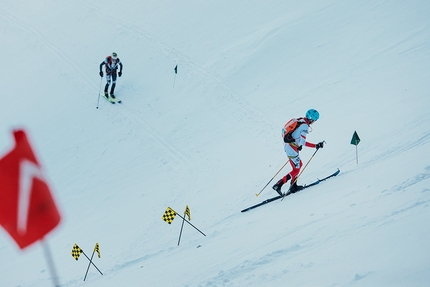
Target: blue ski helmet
[{"x": 312, "y": 115}]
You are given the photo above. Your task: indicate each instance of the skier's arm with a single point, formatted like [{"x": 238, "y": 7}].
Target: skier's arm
[
  {"x": 303, "y": 131},
  {"x": 101, "y": 65},
  {"x": 317, "y": 146},
  {"x": 120, "y": 69}
]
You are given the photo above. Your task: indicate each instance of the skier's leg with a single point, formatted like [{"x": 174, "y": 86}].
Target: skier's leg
[
  {"x": 291, "y": 153},
  {"x": 296, "y": 163},
  {"x": 108, "y": 80},
  {"x": 112, "y": 89}
]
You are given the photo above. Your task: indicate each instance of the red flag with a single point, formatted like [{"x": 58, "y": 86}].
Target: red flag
[{"x": 28, "y": 211}]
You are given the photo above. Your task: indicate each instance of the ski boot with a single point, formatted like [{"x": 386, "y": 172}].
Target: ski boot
[
  {"x": 295, "y": 188},
  {"x": 277, "y": 187}
]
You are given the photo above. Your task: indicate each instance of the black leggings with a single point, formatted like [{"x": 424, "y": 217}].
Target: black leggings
[{"x": 109, "y": 78}]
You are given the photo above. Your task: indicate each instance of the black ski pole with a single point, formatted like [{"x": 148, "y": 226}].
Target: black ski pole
[{"x": 100, "y": 90}]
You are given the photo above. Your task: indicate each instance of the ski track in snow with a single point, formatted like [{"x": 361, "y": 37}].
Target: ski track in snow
[
  {"x": 170, "y": 52},
  {"x": 245, "y": 267},
  {"x": 178, "y": 56},
  {"x": 181, "y": 157},
  {"x": 38, "y": 36},
  {"x": 314, "y": 242},
  {"x": 127, "y": 112},
  {"x": 410, "y": 181}
]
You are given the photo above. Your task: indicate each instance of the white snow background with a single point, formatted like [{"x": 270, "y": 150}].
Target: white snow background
[{"x": 209, "y": 138}]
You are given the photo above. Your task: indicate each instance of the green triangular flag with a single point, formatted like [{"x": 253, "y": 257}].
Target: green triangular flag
[{"x": 355, "y": 138}]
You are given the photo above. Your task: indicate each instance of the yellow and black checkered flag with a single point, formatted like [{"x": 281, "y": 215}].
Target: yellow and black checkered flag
[
  {"x": 169, "y": 215},
  {"x": 187, "y": 212},
  {"x": 76, "y": 251},
  {"x": 97, "y": 249}
]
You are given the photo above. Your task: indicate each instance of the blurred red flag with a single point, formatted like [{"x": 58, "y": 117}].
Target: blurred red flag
[{"x": 28, "y": 211}]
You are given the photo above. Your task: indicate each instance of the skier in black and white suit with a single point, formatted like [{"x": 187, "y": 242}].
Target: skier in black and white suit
[{"x": 111, "y": 65}]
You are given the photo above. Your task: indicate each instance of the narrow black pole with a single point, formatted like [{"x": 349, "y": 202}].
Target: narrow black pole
[
  {"x": 89, "y": 264},
  {"x": 100, "y": 90},
  {"x": 190, "y": 224},
  {"x": 91, "y": 261},
  {"x": 180, "y": 234}
]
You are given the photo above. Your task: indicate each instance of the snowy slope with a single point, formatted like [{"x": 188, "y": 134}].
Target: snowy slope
[{"x": 209, "y": 138}]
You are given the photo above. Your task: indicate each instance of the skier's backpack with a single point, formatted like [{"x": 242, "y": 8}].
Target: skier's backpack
[{"x": 289, "y": 128}]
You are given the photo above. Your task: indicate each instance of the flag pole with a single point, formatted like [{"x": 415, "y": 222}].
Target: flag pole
[
  {"x": 89, "y": 264},
  {"x": 355, "y": 141},
  {"x": 356, "y": 153},
  {"x": 51, "y": 264},
  {"x": 91, "y": 261},
  {"x": 190, "y": 224},
  {"x": 180, "y": 233}
]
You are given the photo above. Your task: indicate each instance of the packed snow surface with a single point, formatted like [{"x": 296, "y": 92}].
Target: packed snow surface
[{"x": 209, "y": 137}]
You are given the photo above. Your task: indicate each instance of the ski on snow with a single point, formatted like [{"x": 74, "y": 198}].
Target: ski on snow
[
  {"x": 110, "y": 99},
  {"x": 288, "y": 193}
]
